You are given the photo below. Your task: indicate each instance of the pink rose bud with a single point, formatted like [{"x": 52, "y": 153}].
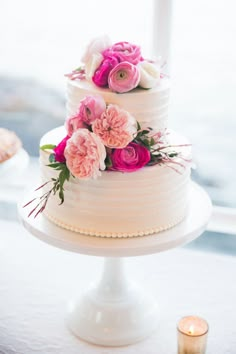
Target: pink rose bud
[
  {"x": 124, "y": 51},
  {"x": 59, "y": 150},
  {"x": 124, "y": 77},
  {"x": 74, "y": 123},
  {"x": 130, "y": 159},
  {"x": 100, "y": 77},
  {"x": 91, "y": 108}
]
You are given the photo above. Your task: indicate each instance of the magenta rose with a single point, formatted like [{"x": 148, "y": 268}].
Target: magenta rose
[
  {"x": 124, "y": 77},
  {"x": 85, "y": 154},
  {"x": 59, "y": 150},
  {"x": 124, "y": 51},
  {"x": 91, "y": 108},
  {"x": 130, "y": 159},
  {"x": 100, "y": 77},
  {"x": 74, "y": 123}
]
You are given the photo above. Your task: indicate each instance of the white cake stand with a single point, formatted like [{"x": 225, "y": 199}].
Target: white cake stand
[{"x": 116, "y": 312}]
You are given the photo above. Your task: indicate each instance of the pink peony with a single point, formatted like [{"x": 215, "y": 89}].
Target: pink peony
[
  {"x": 74, "y": 123},
  {"x": 100, "y": 77},
  {"x": 91, "y": 107},
  {"x": 59, "y": 150},
  {"x": 116, "y": 127},
  {"x": 124, "y": 77},
  {"x": 124, "y": 51},
  {"x": 130, "y": 159},
  {"x": 85, "y": 154}
]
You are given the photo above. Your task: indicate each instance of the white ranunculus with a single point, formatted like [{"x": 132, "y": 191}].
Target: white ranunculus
[
  {"x": 97, "y": 45},
  {"x": 92, "y": 64},
  {"x": 149, "y": 74}
]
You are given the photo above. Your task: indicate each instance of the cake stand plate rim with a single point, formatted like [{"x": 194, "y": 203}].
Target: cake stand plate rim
[{"x": 191, "y": 227}]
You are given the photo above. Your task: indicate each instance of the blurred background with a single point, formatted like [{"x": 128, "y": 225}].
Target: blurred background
[{"x": 41, "y": 41}]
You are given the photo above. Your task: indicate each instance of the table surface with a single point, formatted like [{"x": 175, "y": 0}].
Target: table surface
[{"x": 38, "y": 280}]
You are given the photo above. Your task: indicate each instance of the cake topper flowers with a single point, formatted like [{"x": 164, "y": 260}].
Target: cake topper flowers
[
  {"x": 120, "y": 66},
  {"x": 103, "y": 137}
]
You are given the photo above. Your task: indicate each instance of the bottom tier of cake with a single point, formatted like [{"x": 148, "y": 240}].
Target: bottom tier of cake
[{"x": 117, "y": 204}]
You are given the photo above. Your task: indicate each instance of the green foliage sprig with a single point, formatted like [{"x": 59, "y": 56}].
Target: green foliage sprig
[{"x": 57, "y": 184}]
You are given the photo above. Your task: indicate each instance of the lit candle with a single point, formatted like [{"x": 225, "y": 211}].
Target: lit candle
[{"x": 192, "y": 335}]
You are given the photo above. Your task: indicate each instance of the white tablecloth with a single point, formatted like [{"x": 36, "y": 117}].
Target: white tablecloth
[{"x": 37, "y": 280}]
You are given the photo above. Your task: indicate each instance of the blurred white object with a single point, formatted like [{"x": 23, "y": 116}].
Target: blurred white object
[
  {"x": 223, "y": 220},
  {"x": 162, "y": 30},
  {"x": 13, "y": 168}
]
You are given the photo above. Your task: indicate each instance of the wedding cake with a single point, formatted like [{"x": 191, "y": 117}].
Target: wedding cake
[{"x": 114, "y": 169}]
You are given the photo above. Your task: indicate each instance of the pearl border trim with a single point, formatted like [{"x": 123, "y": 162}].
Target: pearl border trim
[{"x": 114, "y": 234}]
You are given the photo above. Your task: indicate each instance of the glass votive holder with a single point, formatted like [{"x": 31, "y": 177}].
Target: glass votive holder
[{"x": 192, "y": 335}]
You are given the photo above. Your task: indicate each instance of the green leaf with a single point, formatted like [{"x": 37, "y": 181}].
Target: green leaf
[
  {"x": 52, "y": 158},
  {"x": 57, "y": 165},
  {"x": 79, "y": 68},
  {"x": 144, "y": 132},
  {"x": 61, "y": 196},
  {"x": 146, "y": 142},
  {"x": 172, "y": 154},
  {"x": 138, "y": 126},
  {"x": 47, "y": 147},
  {"x": 108, "y": 162},
  {"x": 67, "y": 174},
  {"x": 152, "y": 142}
]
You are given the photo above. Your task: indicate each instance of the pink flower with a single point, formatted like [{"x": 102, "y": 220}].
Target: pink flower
[
  {"x": 116, "y": 127},
  {"x": 91, "y": 107},
  {"x": 130, "y": 159},
  {"x": 85, "y": 154},
  {"x": 124, "y": 77},
  {"x": 124, "y": 51},
  {"x": 100, "y": 77},
  {"x": 59, "y": 150},
  {"x": 74, "y": 123}
]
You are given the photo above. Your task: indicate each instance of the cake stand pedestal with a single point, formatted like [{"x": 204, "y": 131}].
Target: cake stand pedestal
[{"x": 115, "y": 312}]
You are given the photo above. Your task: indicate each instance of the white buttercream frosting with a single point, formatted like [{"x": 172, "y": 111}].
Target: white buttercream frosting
[{"x": 149, "y": 107}]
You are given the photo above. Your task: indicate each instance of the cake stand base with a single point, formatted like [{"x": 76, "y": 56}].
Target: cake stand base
[{"x": 114, "y": 312}]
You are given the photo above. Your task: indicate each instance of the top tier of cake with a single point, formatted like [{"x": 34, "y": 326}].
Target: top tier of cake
[
  {"x": 124, "y": 77},
  {"x": 149, "y": 107}
]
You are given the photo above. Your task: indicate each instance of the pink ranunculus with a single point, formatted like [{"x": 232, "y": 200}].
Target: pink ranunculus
[
  {"x": 97, "y": 45},
  {"x": 85, "y": 154},
  {"x": 74, "y": 123},
  {"x": 130, "y": 159},
  {"x": 91, "y": 108},
  {"x": 116, "y": 127},
  {"x": 124, "y": 51},
  {"x": 124, "y": 77},
  {"x": 100, "y": 77},
  {"x": 59, "y": 150}
]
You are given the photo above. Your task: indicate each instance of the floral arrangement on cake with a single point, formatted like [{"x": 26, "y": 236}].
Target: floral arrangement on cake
[
  {"x": 119, "y": 66},
  {"x": 103, "y": 137}
]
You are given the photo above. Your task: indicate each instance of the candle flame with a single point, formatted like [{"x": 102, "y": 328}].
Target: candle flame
[{"x": 191, "y": 329}]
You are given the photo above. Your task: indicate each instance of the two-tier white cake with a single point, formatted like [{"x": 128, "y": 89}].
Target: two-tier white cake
[{"x": 116, "y": 169}]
